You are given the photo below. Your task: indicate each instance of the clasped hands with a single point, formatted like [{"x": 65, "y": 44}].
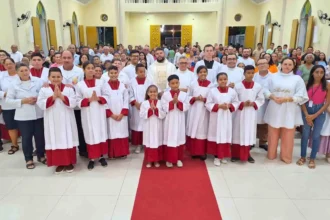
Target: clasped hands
[{"x": 57, "y": 93}]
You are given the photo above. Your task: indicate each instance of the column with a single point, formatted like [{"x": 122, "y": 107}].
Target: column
[
  {"x": 14, "y": 20},
  {"x": 282, "y": 22}
]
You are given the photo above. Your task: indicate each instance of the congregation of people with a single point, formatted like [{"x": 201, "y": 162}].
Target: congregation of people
[{"x": 212, "y": 102}]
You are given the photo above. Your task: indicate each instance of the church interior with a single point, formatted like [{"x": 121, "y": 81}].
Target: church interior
[{"x": 264, "y": 190}]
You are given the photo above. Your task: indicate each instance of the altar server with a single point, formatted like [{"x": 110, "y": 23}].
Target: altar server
[
  {"x": 213, "y": 67},
  {"x": 137, "y": 91},
  {"x": 175, "y": 103},
  {"x": 251, "y": 97},
  {"x": 61, "y": 136},
  {"x": 221, "y": 102},
  {"x": 117, "y": 100},
  {"x": 198, "y": 116},
  {"x": 37, "y": 69},
  {"x": 93, "y": 115},
  {"x": 23, "y": 95},
  {"x": 151, "y": 114}
]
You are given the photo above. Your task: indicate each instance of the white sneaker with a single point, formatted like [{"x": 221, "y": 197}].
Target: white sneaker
[
  {"x": 148, "y": 165},
  {"x": 216, "y": 162},
  {"x": 157, "y": 164},
  {"x": 224, "y": 161},
  {"x": 138, "y": 149},
  {"x": 169, "y": 165},
  {"x": 179, "y": 164}
]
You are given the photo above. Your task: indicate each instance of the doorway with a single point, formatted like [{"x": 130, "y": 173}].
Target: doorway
[
  {"x": 106, "y": 36},
  {"x": 170, "y": 35},
  {"x": 236, "y": 36}
]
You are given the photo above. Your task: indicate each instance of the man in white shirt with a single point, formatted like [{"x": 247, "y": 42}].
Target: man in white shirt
[
  {"x": 106, "y": 54},
  {"x": 186, "y": 76},
  {"x": 72, "y": 49},
  {"x": 178, "y": 54},
  {"x": 130, "y": 69},
  {"x": 150, "y": 58},
  {"x": 235, "y": 74},
  {"x": 15, "y": 54},
  {"x": 246, "y": 58},
  {"x": 160, "y": 70}
]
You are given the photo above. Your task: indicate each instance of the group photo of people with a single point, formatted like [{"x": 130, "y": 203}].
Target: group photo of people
[{"x": 206, "y": 101}]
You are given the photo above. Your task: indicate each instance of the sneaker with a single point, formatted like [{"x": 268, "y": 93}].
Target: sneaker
[
  {"x": 216, "y": 162},
  {"x": 179, "y": 164},
  {"x": 138, "y": 149},
  {"x": 224, "y": 161},
  {"x": 157, "y": 164},
  {"x": 103, "y": 162},
  {"x": 251, "y": 160},
  {"x": 264, "y": 146},
  {"x": 1, "y": 148},
  {"x": 169, "y": 165},
  {"x": 234, "y": 159},
  {"x": 148, "y": 165},
  {"x": 59, "y": 169},
  {"x": 90, "y": 165},
  {"x": 69, "y": 169}
]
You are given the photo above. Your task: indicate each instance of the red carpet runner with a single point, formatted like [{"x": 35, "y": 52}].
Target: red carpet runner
[{"x": 176, "y": 194}]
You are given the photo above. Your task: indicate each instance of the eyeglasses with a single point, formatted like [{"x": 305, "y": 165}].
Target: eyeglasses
[
  {"x": 135, "y": 56},
  {"x": 258, "y": 64},
  {"x": 183, "y": 63},
  {"x": 3, "y": 55},
  {"x": 231, "y": 59}
]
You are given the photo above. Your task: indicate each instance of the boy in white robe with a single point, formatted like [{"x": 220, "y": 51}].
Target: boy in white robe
[
  {"x": 61, "y": 135},
  {"x": 175, "y": 103},
  {"x": 117, "y": 100},
  {"x": 137, "y": 91},
  {"x": 152, "y": 116},
  {"x": 198, "y": 116},
  {"x": 221, "y": 103},
  {"x": 251, "y": 97}
]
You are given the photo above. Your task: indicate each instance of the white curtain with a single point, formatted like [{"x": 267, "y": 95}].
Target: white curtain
[
  {"x": 76, "y": 33},
  {"x": 43, "y": 32},
  {"x": 265, "y": 37},
  {"x": 302, "y": 32}
]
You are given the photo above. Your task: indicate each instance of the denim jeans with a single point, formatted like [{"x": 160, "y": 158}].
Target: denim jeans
[{"x": 316, "y": 133}]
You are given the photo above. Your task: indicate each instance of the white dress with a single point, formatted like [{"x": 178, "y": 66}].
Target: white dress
[
  {"x": 117, "y": 100},
  {"x": 93, "y": 117},
  {"x": 61, "y": 136},
  {"x": 245, "y": 120},
  {"x": 288, "y": 114},
  {"x": 219, "y": 135},
  {"x": 174, "y": 125},
  {"x": 152, "y": 130}
]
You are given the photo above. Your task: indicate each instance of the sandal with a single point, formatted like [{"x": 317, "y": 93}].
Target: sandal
[
  {"x": 311, "y": 164},
  {"x": 44, "y": 161},
  {"x": 301, "y": 161},
  {"x": 30, "y": 165},
  {"x": 13, "y": 150}
]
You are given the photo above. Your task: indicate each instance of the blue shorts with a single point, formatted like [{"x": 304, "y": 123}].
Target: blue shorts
[{"x": 8, "y": 117}]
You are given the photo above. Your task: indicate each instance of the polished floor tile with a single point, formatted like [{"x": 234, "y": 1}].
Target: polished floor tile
[
  {"x": 314, "y": 209},
  {"x": 228, "y": 209}
]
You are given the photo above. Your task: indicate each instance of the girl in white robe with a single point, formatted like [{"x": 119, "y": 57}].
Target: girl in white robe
[
  {"x": 137, "y": 91},
  {"x": 152, "y": 116},
  {"x": 61, "y": 136},
  {"x": 93, "y": 115},
  {"x": 221, "y": 103},
  {"x": 175, "y": 103},
  {"x": 198, "y": 116},
  {"x": 325, "y": 137},
  {"x": 251, "y": 97},
  {"x": 117, "y": 99}
]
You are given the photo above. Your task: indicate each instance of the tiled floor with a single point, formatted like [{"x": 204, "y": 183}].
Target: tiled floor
[{"x": 265, "y": 190}]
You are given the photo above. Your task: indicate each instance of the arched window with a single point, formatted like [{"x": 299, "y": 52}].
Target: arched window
[
  {"x": 306, "y": 12},
  {"x": 268, "y": 23},
  {"x": 75, "y": 28},
  {"x": 41, "y": 14}
]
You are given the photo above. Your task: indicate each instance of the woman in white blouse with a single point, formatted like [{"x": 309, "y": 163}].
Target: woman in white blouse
[
  {"x": 286, "y": 92},
  {"x": 29, "y": 117}
]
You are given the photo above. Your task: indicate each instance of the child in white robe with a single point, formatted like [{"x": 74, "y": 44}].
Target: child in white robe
[
  {"x": 61, "y": 135},
  {"x": 198, "y": 116},
  {"x": 152, "y": 116},
  {"x": 117, "y": 100},
  {"x": 93, "y": 115},
  {"x": 137, "y": 90},
  {"x": 251, "y": 97},
  {"x": 175, "y": 103},
  {"x": 221, "y": 103}
]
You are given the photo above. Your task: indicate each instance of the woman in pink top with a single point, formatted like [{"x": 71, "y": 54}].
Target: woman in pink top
[
  {"x": 313, "y": 113},
  {"x": 58, "y": 60}
]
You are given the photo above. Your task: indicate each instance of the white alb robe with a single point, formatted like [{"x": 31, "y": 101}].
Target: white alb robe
[
  {"x": 245, "y": 120},
  {"x": 212, "y": 73},
  {"x": 235, "y": 75},
  {"x": 220, "y": 126},
  {"x": 129, "y": 71},
  {"x": 159, "y": 72},
  {"x": 186, "y": 78}
]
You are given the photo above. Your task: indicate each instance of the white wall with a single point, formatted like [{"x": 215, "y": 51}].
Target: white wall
[{"x": 7, "y": 26}]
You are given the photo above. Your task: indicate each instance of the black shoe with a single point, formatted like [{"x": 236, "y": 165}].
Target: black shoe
[
  {"x": 252, "y": 147},
  {"x": 251, "y": 160},
  {"x": 1, "y": 148},
  {"x": 234, "y": 159},
  {"x": 264, "y": 146},
  {"x": 103, "y": 162},
  {"x": 34, "y": 154},
  {"x": 83, "y": 154},
  {"x": 194, "y": 157},
  {"x": 202, "y": 158},
  {"x": 90, "y": 165}
]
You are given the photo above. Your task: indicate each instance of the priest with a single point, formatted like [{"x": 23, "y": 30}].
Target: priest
[
  {"x": 187, "y": 78},
  {"x": 235, "y": 74}
]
